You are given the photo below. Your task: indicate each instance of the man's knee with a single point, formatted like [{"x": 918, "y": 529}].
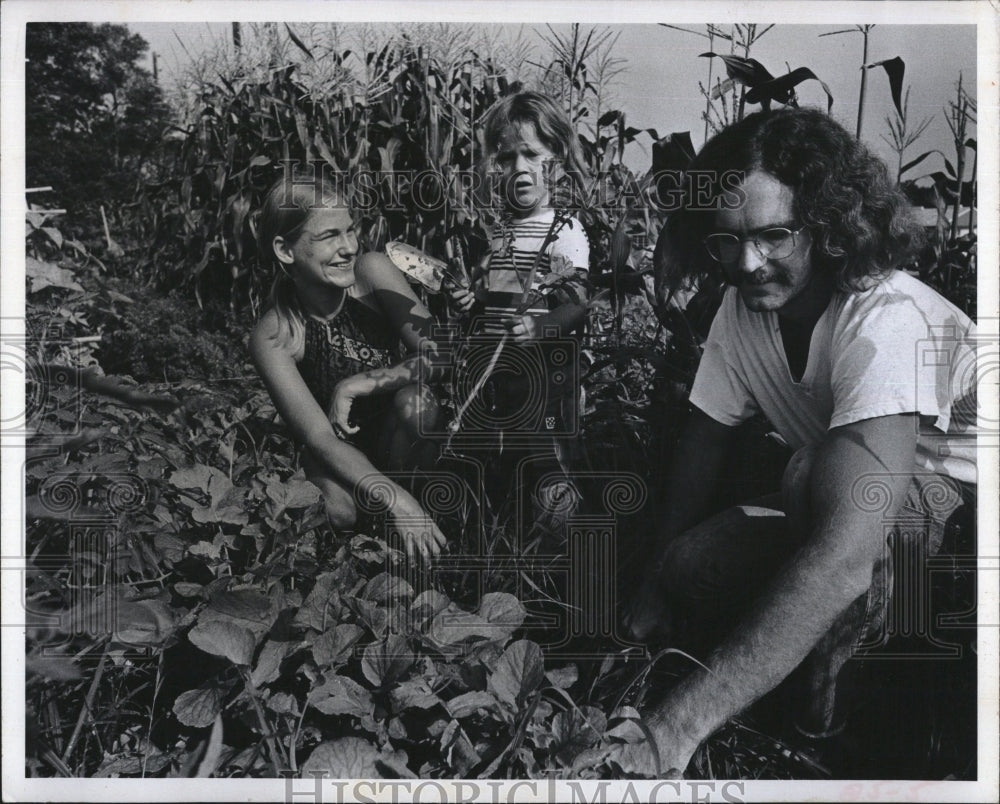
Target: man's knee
[
  {"x": 340, "y": 511},
  {"x": 728, "y": 555},
  {"x": 685, "y": 562},
  {"x": 795, "y": 480}
]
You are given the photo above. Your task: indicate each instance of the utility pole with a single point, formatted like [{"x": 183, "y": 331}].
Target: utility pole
[
  {"x": 237, "y": 37},
  {"x": 156, "y": 72},
  {"x": 864, "y": 78}
]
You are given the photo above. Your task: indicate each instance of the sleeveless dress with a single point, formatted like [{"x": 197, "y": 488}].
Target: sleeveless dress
[{"x": 354, "y": 340}]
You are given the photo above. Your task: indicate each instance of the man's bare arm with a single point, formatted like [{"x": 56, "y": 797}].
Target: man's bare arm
[{"x": 830, "y": 571}]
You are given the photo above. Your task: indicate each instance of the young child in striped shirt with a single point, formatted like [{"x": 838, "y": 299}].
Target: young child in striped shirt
[
  {"x": 535, "y": 277},
  {"x": 533, "y": 144}
]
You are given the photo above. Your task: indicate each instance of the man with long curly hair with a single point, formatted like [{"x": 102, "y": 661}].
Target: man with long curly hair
[{"x": 868, "y": 374}]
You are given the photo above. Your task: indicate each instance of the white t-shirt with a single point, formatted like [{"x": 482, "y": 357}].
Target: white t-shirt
[
  {"x": 513, "y": 247},
  {"x": 898, "y": 347}
]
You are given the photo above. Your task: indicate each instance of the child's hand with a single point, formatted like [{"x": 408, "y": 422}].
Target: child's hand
[
  {"x": 462, "y": 299},
  {"x": 344, "y": 394},
  {"x": 524, "y": 327}
]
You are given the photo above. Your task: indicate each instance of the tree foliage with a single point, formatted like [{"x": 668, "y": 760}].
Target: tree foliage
[{"x": 92, "y": 115}]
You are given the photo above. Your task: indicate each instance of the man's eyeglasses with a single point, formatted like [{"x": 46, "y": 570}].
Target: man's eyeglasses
[{"x": 775, "y": 244}]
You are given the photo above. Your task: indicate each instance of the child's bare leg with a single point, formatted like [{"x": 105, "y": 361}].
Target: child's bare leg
[{"x": 555, "y": 498}]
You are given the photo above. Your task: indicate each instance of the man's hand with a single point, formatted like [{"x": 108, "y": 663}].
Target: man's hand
[
  {"x": 421, "y": 536},
  {"x": 658, "y": 760}
]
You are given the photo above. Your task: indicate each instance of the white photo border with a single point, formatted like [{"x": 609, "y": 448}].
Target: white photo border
[{"x": 16, "y": 13}]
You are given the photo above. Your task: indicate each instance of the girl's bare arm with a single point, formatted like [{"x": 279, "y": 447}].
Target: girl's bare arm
[
  {"x": 309, "y": 424},
  {"x": 382, "y": 281},
  {"x": 343, "y": 462}
]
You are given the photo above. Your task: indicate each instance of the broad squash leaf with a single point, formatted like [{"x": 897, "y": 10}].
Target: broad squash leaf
[
  {"x": 339, "y": 695},
  {"x": 387, "y": 660},
  {"x": 519, "y": 672},
  {"x": 335, "y": 645},
  {"x": 198, "y": 708},
  {"x": 223, "y": 638}
]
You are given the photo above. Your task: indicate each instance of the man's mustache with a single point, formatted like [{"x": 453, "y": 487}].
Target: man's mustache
[{"x": 760, "y": 277}]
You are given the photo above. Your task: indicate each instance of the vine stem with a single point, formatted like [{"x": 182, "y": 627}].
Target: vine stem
[
  {"x": 157, "y": 685},
  {"x": 295, "y": 739},
  {"x": 87, "y": 705},
  {"x": 475, "y": 391},
  {"x": 522, "y": 726},
  {"x": 264, "y": 726}
]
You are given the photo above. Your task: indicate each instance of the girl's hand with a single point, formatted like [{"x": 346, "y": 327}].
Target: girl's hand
[
  {"x": 421, "y": 536},
  {"x": 524, "y": 327},
  {"x": 344, "y": 394},
  {"x": 462, "y": 299}
]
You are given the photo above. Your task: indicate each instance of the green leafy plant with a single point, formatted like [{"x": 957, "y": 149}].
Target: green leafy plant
[{"x": 288, "y": 637}]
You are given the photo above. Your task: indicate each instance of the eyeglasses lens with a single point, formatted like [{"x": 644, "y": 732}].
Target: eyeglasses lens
[{"x": 775, "y": 244}]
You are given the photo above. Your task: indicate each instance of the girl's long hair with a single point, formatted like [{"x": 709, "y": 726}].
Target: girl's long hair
[
  {"x": 286, "y": 208},
  {"x": 551, "y": 124}
]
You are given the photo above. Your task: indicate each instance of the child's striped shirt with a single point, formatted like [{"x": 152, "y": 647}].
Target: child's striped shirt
[{"x": 513, "y": 249}]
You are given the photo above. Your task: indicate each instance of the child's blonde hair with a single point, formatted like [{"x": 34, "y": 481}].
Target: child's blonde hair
[
  {"x": 286, "y": 208},
  {"x": 551, "y": 123}
]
